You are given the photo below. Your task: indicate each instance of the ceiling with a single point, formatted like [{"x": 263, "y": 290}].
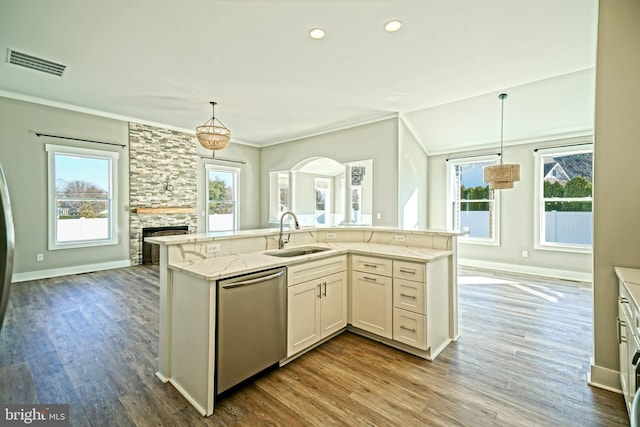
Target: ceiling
[{"x": 161, "y": 62}]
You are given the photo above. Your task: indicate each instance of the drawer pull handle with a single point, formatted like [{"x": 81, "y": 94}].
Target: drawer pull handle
[
  {"x": 408, "y": 270},
  {"x": 319, "y": 291},
  {"x": 408, "y": 296},
  {"x": 621, "y": 324},
  {"x": 371, "y": 279},
  {"x": 370, "y": 265},
  {"x": 407, "y": 329},
  {"x": 325, "y": 288},
  {"x": 623, "y": 300}
]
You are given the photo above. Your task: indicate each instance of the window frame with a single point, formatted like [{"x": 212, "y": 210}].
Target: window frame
[
  {"x": 539, "y": 200},
  {"x": 274, "y": 194},
  {"x": 52, "y": 202},
  {"x": 466, "y": 239},
  {"x": 236, "y": 194}
]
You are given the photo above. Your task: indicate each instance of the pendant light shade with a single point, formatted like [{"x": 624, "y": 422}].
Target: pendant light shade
[
  {"x": 213, "y": 135},
  {"x": 501, "y": 176}
]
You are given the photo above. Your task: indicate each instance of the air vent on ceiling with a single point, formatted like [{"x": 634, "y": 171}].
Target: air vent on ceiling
[{"x": 35, "y": 63}]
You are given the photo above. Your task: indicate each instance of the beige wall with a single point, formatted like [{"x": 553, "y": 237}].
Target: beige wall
[
  {"x": 412, "y": 181},
  {"x": 249, "y": 182},
  {"x": 517, "y": 210},
  {"x": 377, "y": 141},
  {"x": 24, "y": 160},
  {"x": 616, "y": 190}
]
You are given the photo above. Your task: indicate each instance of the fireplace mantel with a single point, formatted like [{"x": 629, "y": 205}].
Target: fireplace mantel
[{"x": 165, "y": 210}]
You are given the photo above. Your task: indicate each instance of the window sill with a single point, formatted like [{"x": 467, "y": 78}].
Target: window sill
[
  {"x": 479, "y": 242},
  {"x": 569, "y": 249},
  {"x": 78, "y": 245}
]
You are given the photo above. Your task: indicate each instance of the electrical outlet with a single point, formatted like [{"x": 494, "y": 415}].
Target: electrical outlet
[
  {"x": 399, "y": 238},
  {"x": 39, "y": 257},
  {"x": 213, "y": 248},
  {"x": 378, "y": 215},
  {"x": 525, "y": 254},
  {"x": 331, "y": 236}
]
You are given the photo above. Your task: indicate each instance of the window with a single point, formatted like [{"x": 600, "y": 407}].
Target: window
[
  {"x": 472, "y": 206},
  {"x": 323, "y": 201},
  {"x": 82, "y": 191},
  {"x": 222, "y": 196},
  {"x": 564, "y": 193},
  {"x": 278, "y": 195}
]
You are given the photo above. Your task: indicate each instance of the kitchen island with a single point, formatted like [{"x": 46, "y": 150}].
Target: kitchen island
[{"x": 398, "y": 287}]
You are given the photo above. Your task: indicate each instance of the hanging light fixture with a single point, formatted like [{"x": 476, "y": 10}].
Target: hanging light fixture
[
  {"x": 213, "y": 135},
  {"x": 501, "y": 176}
]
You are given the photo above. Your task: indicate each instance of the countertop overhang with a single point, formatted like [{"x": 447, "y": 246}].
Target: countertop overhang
[
  {"x": 235, "y": 264},
  {"x": 226, "y": 235}
]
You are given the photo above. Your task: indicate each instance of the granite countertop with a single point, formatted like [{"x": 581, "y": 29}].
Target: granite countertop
[
  {"x": 631, "y": 278},
  {"x": 232, "y": 265}
]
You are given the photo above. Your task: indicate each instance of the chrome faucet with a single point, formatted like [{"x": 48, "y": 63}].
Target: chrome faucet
[{"x": 281, "y": 241}]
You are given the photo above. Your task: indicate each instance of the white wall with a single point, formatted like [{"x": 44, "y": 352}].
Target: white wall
[
  {"x": 412, "y": 181},
  {"x": 516, "y": 221},
  {"x": 377, "y": 141},
  {"x": 616, "y": 189},
  {"x": 24, "y": 161}
]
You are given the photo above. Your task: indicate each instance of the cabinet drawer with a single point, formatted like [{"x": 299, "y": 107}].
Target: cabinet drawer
[
  {"x": 314, "y": 269},
  {"x": 410, "y": 328},
  {"x": 381, "y": 266},
  {"x": 409, "y": 270},
  {"x": 409, "y": 295}
]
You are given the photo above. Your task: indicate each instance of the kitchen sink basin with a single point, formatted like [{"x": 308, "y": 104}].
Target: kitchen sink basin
[{"x": 304, "y": 250}]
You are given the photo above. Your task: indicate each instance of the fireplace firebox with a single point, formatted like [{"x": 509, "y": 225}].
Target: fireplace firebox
[{"x": 151, "y": 251}]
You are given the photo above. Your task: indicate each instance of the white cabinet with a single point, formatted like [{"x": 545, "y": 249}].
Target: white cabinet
[
  {"x": 404, "y": 304},
  {"x": 372, "y": 295},
  {"x": 627, "y": 341},
  {"x": 317, "y": 302},
  {"x": 628, "y": 329},
  {"x": 409, "y": 304}
]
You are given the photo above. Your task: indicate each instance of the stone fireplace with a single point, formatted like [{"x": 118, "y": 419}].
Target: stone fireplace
[{"x": 163, "y": 166}]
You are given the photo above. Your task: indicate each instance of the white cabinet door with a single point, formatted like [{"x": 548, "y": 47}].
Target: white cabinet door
[
  {"x": 372, "y": 303},
  {"x": 303, "y": 309},
  {"x": 333, "y": 312}
]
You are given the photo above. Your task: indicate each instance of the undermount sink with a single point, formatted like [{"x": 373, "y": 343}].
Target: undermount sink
[{"x": 304, "y": 250}]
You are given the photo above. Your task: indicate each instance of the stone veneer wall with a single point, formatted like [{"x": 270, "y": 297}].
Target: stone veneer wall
[{"x": 159, "y": 157}]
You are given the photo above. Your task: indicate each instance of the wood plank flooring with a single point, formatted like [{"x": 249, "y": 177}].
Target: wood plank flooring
[{"x": 91, "y": 341}]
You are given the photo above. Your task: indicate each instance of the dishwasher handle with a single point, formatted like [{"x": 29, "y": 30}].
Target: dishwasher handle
[{"x": 253, "y": 281}]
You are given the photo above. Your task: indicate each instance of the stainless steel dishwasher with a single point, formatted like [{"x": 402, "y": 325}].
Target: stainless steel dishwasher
[{"x": 252, "y": 326}]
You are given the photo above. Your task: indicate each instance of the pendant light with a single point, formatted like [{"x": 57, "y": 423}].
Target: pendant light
[
  {"x": 213, "y": 135},
  {"x": 501, "y": 176}
]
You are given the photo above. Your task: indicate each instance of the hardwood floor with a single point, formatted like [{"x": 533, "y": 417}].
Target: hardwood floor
[{"x": 91, "y": 341}]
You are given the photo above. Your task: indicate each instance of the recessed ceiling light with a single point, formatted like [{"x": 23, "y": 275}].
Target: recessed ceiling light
[
  {"x": 316, "y": 33},
  {"x": 393, "y": 25}
]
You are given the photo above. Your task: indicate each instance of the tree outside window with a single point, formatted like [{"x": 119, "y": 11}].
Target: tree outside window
[
  {"x": 473, "y": 205},
  {"x": 221, "y": 202},
  {"x": 566, "y": 202},
  {"x": 81, "y": 183}
]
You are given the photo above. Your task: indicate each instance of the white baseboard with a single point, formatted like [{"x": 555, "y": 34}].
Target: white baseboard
[
  {"x": 527, "y": 269},
  {"x": 65, "y": 271},
  {"x": 604, "y": 378}
]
